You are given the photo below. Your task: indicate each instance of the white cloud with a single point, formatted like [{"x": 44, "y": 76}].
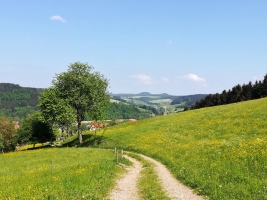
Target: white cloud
[
  {"x": 165, "y": 79},
  {"x": 193, "y": 77},
  {"x": 58, "y": 18},
  {"x": 143, "y": 78}
]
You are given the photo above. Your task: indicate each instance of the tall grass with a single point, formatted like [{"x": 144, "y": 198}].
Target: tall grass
[
  {"x": 66, "y": 173},
  {"x": 219, "y": 151}
]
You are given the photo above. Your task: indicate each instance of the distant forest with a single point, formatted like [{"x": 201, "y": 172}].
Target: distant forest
[
  {"x": 189, "y": 100},
  {"x": 16, "y": 101},
  {"x": 237, "y": 94},
  {"x": 126, "y": 111}
]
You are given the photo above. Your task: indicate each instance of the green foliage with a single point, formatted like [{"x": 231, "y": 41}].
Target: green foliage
[
  {"x": 35, "y": 130},
  {"x": 56, "y": 110},
  {"x": 85, "y": 91},
  {"x": 220, "y": 152},
  {"x": 7, "y": 131},
  {"x": 84, "y": 127},
  {"x": 73, "y": 129},
  {"x": 237, "y": 94},
  {"x": 58, "y": 173},
  {"x": 1, "y": 142},
  {"x": 16, "y": 101},
  {"x": 188, "y": 100},
  {"x": 119, "y": 99},
  {"x": 125, "y": 111}
]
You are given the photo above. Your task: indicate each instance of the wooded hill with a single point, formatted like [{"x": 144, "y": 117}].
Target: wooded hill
[
  {"x": 16, "y": 101},
  {"x": 237, "y": 94},
  {"x": 164, "y": 103}
]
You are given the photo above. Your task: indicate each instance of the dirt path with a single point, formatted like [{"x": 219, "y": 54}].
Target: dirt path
[
  {"x": 126, "y": 188},
  {"x": 173, "y": 188}
]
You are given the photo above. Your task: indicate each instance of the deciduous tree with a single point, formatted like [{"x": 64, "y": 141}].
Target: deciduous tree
[
  {"x": 7, "y": 130},
  {"x": 34, "y": 129},
  {"x": 85, "y": 91},
  {"x": 56, "y": 110},
  {"x": 1, "y": 142}
]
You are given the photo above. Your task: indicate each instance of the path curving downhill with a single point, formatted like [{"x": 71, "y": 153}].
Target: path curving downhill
[
  {"x": 174, "y": 189},
  {"x": 126, "y": 188}
]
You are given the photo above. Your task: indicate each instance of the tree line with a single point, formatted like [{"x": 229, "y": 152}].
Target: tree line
[
  {"x": 16, "y": 101},
  {"x": 125, "y": 111},
  {"x": 188, "y": 100},
  {"x": 73, "y": 94},
  {"x": 237, "y": 94}
]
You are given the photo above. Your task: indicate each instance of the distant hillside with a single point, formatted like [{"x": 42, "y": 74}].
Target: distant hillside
[
  {"x": 144, "y": 94},
  {"x": 189, "y": 100},
  {"x": 16, "y": 101},
  {"x": 162, "y": 102}
]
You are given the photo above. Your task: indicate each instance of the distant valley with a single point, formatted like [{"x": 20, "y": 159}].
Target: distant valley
[{"x": 17, "y": 102}]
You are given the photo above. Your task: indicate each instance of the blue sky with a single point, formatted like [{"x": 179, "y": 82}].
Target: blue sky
[{"x": 178, "y": 47}]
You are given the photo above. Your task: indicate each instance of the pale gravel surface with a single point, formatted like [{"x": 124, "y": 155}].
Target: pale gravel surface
[
  {"x": 126, "y": 188},
  {"x": 173, "y": 188}
]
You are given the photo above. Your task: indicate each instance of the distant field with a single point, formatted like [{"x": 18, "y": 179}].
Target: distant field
[
  {"x": 218, "y": 151},
  {"x": 151, "y": 97},
  {"x": 114, "y": 101},
  {"x": 162, "y": 101},
  {"x": 136, "y": 101},
  {"x": 65, "y": 173}
]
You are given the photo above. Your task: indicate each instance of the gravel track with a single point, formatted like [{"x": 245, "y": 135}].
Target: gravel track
[
  {"x": 173, "y": 188},
  {"x": 126, "y": 188}
]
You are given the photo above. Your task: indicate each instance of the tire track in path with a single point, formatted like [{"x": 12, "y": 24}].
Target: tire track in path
[
  {"x": 173, "y": 188},
  {"x": 126, "y": 187}
]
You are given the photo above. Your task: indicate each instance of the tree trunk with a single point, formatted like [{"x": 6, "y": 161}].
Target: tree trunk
[{"x": 80, "y": 129}]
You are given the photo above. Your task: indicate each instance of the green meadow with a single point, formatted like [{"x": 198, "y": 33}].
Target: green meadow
[
  {"x": 220, "y": 152},
  {"x": 53, "y": 173}
]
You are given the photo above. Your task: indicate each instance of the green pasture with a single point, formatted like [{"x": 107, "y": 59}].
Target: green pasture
[
  {"x": 162, "y": 101},
  {"x": 114, "y": 101},
  {"x": 220, "y": 152},
  {"x": 53, "y": 173},
  {"x": 171, "y": 108},
  {"x": 151, "y": 97}
]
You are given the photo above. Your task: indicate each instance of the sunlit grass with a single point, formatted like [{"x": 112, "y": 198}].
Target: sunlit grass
[
  {"x": 219, "y": 151},
  {"x": 29, "y": 146},
  {"x": 66, "y": 173},
  {"x": 149, "y": 184}
]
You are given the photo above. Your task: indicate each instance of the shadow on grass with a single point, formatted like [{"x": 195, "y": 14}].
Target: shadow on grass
[
  {"x": 88, "y": 140},
  {"x": 35, "y": 148}
]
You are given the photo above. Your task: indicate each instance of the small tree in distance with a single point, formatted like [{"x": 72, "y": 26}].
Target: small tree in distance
[
  {"x": 34, "y": 129},
  {"x": 7, "y": 130},
  {"x": 85, "y": 91}
]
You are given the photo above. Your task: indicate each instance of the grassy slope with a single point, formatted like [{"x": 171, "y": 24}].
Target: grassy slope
[
  {"x": 76, "y": 173},
  {"x": 219, "y": 151}
]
